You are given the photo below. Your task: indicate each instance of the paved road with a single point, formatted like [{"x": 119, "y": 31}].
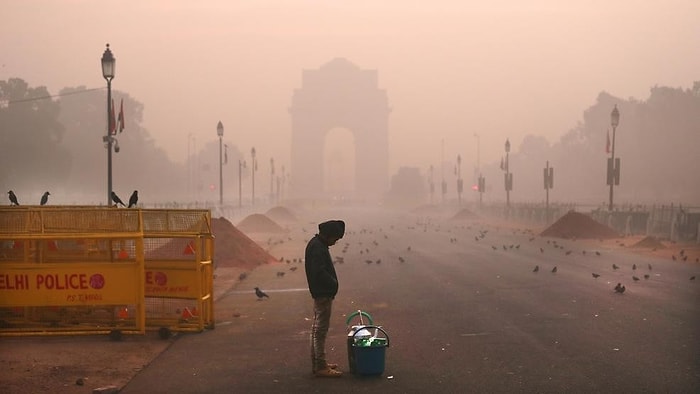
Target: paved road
[{"x": 461, "y": 317}]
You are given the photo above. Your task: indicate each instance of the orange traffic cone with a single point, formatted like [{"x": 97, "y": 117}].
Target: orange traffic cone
[
  {"x": 123, "y": 254},
  {"x": 189, "y": 249},
  {"x": 187, "y": 314},
  {"x": 123, "y": 313}
]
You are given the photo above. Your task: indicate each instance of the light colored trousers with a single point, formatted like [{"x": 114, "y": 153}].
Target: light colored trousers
[{"x": 319, "y": 331}]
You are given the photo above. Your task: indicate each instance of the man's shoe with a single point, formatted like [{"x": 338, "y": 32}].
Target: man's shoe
[{"x": 328, "y": 372}]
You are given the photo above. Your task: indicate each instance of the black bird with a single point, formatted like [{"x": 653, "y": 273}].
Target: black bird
[
  {"x": 261, "y": 294},
  {"x": 554, "y": 270},
  {"x": 646, "y": 276},
  {"x": 649, "y": 267},
  {"x": 692, "y": 277},
  {"x": 537, "y": 268},
  {"x": 13, "y": 198},
  {"x": 134, "y": 199},
  {"x": 595, "y": 275},
  {"x": 635, "y": 278},
  {"x": 615, "y": 266},
  {"x": 634, "y": 266},
  {"x": 597, "y": 253},
  {"x": 541, "y": 250},
  {"x": 45, "y": 198},
  {"x": 673, "y": 256},
  {"x": 116, "y": 200},
  {"x": 619, "y": 288}
]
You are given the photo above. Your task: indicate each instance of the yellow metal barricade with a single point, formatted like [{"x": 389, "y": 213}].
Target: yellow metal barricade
[
  {"x": 71, "y": 270},
  {"x": 179, "y": 287}
]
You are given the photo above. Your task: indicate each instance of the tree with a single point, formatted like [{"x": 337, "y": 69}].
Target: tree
[{"x": 32, "y": 159}]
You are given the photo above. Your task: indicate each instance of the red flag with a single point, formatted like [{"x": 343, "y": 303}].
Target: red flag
[
  {"x": 112, "y": 125},
  {"x": 121, "y": 116},
  {"x": 607, "y": 145}
]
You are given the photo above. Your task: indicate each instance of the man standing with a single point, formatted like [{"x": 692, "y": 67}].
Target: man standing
[{"x": 323, "y": 285}]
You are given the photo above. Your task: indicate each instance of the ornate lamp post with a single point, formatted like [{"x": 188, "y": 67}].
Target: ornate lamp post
[
  {"x": 432, "y": 185},
  {"x": 241, "y": 166},
  {"x": 459, "y": 179},
  {"x": 220, "y": 133},
  {"x": 613, "y": 166},
  {"x": 108, "y": 66},
  {"x": 253, "y": 168},
  {"x": 272, "y": 177},
  {"x": 509, "y": 176}
]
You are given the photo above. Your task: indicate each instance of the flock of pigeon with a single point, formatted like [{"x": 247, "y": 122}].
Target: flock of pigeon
[
  {"x": 365, "y": 251},
  {"x": 133, "y": 200}
]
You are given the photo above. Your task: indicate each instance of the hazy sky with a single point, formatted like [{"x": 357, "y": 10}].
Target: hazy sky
[{"x": 451, "y": 68}]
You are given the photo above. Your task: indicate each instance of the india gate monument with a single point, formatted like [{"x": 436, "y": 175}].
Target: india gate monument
[{"x": 339, "y": 95}]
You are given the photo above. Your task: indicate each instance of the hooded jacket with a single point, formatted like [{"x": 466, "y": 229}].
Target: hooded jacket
[{"x": 320, "y": 273}]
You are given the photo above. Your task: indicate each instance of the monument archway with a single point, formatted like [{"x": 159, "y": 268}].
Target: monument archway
[{"x": 339, "y": 95}]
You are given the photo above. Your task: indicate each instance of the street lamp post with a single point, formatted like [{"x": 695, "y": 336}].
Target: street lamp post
[
  {"x": 613, "y": 165},
  {"x": 253, "y": 168},
  {"x": 108, "y": 67},
  {"x": 509, "y": 176},
  {"x": 432, "y": 185},
  {"x": 241, "y": 166},
  {"x": 459, "y": 180},
  {"x": 220, "y": 133},
  {"x": 272, "y": 177},
  {"x": 548, "y": 184}
]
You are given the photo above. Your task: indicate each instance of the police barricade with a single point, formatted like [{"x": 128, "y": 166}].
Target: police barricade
[
  {"x": 71, "y": 270},
  {"x": 179, "y": 272}
]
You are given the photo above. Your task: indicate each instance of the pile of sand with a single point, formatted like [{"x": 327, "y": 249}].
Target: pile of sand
[
  {"x": 232, "y": 248},
  {"x": 259, "y": 223},
  {"x": 464, "y": 214},
  {"x": 650, "y": 243},
  {"x": 578, "y": 225},
  {"x": 281, "y": 215}
]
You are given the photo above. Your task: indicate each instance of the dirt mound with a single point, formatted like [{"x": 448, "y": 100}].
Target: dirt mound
[
  {"x": 281, "y": 214},
  {"x": 578, "y": 225},
  {"x": 259, "y": 223},
  {"x": 650, "y": 243},
  {"x": 465, "y": 214},
  {"x": 232, "y": 248}
]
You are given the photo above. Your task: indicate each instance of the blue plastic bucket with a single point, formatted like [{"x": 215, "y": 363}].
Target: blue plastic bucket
[{"x": 370, "y": 355}]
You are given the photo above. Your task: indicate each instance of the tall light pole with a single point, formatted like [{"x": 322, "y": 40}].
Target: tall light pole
[
  {"x": 272, "y": 177},
  {"x": 253, "y": 168},
  {"x": 241, "y": 166},
  {"x": 220, "y": 133},
  {"x": 613, "y": 166},
  {"x": 432, "y": 185},
  {"x": 459, "y": 180},
  {"x": 509, "y": 176},
  {"x": 108, "y": 66},
  {"x": 548, "y": 184},
  {"x": 442, "y": 170}
]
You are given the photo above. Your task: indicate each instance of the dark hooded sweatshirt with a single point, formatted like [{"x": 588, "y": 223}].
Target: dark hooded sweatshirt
[{"x": 320, "y": 273}]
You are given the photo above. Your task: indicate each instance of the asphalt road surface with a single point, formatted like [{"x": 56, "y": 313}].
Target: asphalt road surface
[{"x": 463, "y": 310}]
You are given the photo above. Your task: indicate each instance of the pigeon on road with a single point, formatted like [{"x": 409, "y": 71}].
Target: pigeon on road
[
  {"x": 261, "y": 294},
  {"x": 134, "y": 199},
  {"x": 554, "y": 270},
  {"x": 13, "y": 198},
  {"x": 619, "y": 288},
  {"x": 537, "y": 268},
  {"x": 116, "y": 200},
  {"x": 595, "y": 275},
  {"x": 45, "y": 198}
]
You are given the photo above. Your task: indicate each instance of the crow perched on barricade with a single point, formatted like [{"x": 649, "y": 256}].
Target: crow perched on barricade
[
  {"x": 13, "y": 198},
  {"x": 117, "y": 200}
]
